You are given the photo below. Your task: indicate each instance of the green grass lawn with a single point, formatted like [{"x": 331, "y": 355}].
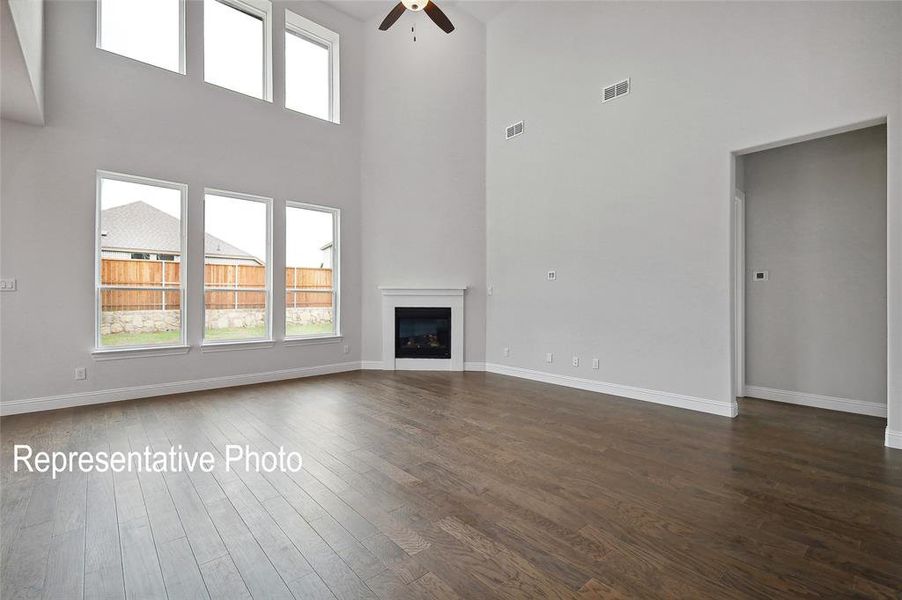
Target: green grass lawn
[
  {"x": 228, "y": 333},
  {"x": 140, "y": 339}
]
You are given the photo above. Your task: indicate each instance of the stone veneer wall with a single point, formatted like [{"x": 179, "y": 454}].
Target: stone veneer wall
[
  {"x": 139, "y": 321},
  {"x": 150, "y": 321}
]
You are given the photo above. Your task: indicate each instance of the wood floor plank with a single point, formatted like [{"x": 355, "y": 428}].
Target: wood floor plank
[
  {"x": 25, "y": 574},
  {"x": 181, "y": 575},
  {"x": 342, "y": 581},
  {"x": 222, "y": 579},
  {"x": 311, "y": 587},
  {"x": 140, "y": 564},
  {"x": 258, "y": 573},
  {"x": 65, "y": 569}
]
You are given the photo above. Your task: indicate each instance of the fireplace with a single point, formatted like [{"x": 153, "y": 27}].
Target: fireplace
[
  {"x": 433, "y": 317},
  {"x": 422, "y": 332}
]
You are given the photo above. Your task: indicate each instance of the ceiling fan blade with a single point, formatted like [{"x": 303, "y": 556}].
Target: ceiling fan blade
[
  {"x": 393, "y": 16},
  {"x": 436, "y": 14}
]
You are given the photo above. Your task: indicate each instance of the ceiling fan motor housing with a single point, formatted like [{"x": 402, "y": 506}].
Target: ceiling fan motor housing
[{"x": 414, "y": 5}]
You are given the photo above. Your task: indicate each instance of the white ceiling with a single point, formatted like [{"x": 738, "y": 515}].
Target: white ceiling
[{"x": 369, "y": 9}]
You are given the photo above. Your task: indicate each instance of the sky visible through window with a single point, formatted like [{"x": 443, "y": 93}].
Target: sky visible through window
[
  {"x": 241, "y": 223},
  {"x": 306, "y": 76},
  {"x": 307, "y": 231},
  {"x": 233, "y": 49},
  {"x": 146, "y": 30}
]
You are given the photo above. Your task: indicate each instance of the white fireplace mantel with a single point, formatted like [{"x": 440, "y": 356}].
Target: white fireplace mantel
[{"x": 450, "y": 297}]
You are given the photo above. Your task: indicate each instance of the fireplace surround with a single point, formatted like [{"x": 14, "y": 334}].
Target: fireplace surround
[{"x": 433, "y": 328}]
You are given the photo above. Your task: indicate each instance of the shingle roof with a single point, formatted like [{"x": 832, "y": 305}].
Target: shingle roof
[{"x": 140, "y": 227}]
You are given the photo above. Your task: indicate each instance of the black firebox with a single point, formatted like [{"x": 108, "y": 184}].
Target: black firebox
[{"x": 422, "y": 332}]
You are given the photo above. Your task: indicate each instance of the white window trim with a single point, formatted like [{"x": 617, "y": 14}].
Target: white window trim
[
  {"x": 336, "y": 273},
  {"x": 261, "y": 9},
  {"x": 305, "y": 28},
  {"x": 120, "y": 353},
  {"x": 98, "y": 255},
  {"x": 267, "y": 340},
  {"x": 313, "y": 340},
  {"x": 182, "y": 47}
]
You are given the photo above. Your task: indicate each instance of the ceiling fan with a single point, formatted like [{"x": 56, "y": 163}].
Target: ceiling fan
[{"x": 431, "y": 8}]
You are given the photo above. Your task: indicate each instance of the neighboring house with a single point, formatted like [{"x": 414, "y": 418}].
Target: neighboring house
[
  {"x": 327, "y": 256},
  {"x": 138, "y": 231}
]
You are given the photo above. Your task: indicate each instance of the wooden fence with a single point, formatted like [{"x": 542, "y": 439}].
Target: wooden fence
[{"x": 237, "y": 286}]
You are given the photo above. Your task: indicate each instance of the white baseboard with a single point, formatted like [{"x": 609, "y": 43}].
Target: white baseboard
[
  {"x": 893, "y": 439},
  {"x": 724, "y": 408},
  {"x": 376, "y": 365},
  {"x": 848, "y": 405},
  {"x": 27, "y": 405}
]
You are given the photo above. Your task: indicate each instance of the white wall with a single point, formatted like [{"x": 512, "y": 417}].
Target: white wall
[
  {"x": 22, "y": 49},
  {"x": 424, "y": 168},
  {"x": 630, "y": 200},
  {"x": 816, "y": 221},
  {"x": 105, "y": 111}
]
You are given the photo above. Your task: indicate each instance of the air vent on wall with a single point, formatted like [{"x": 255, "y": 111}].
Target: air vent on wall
[
  {"x": 513, "y": 130},
  {"x": 621, "y": 88}
]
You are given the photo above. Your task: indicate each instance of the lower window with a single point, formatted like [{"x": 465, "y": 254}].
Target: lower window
[
  {"x": 311, "y": 271},
  {"x": 236, "y": 267},
  {"x": 139, "y": 297}
]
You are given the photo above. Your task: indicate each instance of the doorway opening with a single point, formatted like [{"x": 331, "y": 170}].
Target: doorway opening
[{"x": 810, "y": 270}]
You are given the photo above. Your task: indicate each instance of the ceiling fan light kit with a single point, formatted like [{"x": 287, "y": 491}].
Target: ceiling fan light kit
[{"x": 431, "y": 9}]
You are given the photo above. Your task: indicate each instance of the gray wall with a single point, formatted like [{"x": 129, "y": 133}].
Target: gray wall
[
  {"x": 105, "y": 111},
  {"x": 630, "y": 200},
  {"x": 424, "y": 168},
  {"x": 22, "y": 59},
  {"x": 816, "y": 221}
]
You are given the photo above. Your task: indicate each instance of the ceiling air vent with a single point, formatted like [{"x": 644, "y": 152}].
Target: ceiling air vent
[
  {"x": 513, "y": 130},
  {"x": 621, "y": 88}
]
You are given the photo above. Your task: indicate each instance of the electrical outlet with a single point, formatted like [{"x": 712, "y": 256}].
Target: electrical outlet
[
  {"x": 507, "y": 351},
  {"x": 346, "y": 349},
  {"x": 549, "y": 357},
  {"x": 81, "y": 373},
  {"x": 596, "y": 363},
  {"x": 551, "y": 275},
  {"x": 7, "y": 285},
  {"x": 574, "y": 360},
  {"x": 491, "y": 290}
]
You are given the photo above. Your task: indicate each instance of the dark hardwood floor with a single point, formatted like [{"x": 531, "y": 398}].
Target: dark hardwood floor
[{"x": 428, "y": 485}]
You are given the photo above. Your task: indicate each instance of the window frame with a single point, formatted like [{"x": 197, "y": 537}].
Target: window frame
[
  {"x": 336, "y": 271},
  {"x": 313, "y": 32},
  {"x": 183, "y": 59},
  {"x": 260, "y": 9},
  {"x": 268, "y": 338},
  {"x": 98, "y": 261}
]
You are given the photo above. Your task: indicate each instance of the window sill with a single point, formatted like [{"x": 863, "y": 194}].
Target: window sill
[
  {"x": 237, "y": 345},
  {"x": 119, "y": 353},
  {"x": 313, "y": 340}
]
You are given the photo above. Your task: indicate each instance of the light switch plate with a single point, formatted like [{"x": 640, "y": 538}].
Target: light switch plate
[
  {"x": 7, "y": 285},
  {"x": 549, "y": 357}
]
